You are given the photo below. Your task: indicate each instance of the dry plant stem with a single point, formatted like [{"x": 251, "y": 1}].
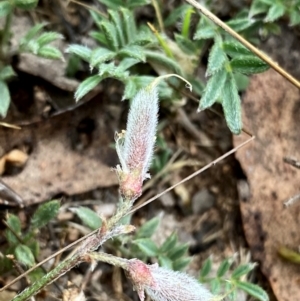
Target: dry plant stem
[
  {"x": 256, "y": 51},
  {"x": 89, "y": 245}
]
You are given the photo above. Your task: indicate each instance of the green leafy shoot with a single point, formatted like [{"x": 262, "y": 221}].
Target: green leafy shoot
[
  {"x": 228, "y": 281},
  {"x": 37, "y": 42}
]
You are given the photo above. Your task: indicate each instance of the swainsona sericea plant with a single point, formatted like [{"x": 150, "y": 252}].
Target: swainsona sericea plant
[{"x": 135, "y": 146}]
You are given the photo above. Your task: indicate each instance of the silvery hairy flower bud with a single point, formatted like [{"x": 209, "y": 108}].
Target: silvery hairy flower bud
[
  {"x": 135, "y": 145},
  {"x": 162, "y": 284}
]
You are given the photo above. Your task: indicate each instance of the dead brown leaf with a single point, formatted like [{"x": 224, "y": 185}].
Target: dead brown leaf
[
  {"x": 271, "y": 111},
  {"x": 69, "y": 153}
]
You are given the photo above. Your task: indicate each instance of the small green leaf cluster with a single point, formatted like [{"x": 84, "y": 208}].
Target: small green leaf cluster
[
  {"x": 228, "y": 281},
  {"x": 227, "y": 61},
  {"x": 275, "y": 9},
  {"x": 170, "y": 254},
  {"x": 24, "y": 245},
  {"x": 34, "y": 41},
  {"x": 37, "y": 42},
  {"x": 122, "y": 45}
]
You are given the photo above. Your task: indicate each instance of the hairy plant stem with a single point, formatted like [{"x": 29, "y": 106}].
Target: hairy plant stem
[
  {"x": 92, "y": 243},
  {"x": 252, "y": 48}
]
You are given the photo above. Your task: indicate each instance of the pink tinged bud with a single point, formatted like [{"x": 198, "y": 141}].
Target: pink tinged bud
[
  {"x": 162, "y": 284},
  {"x": 135, "y": 147}
]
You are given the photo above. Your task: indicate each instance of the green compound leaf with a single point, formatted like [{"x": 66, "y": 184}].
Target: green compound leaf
[
  {"x": 5, "y": 8},
  {"x": 169, "y": 243},
  {"x": 86, "y": 86},
  {"x": 148, "y": 228},
  {"x": 213, "y": 89},
  {"x": 253, "y": 290},
  {"x": 15, "y": 224},
  {"x": 234, "y": 48},
  {"x": 248, "y": 64},
  {"x": 49, "y": 52},
  {"x": 216, "y": 59},
  {"x": 224, "y": 267},
  {"x": 133, "y": 51},
  {"x": 206, "y": 268},
  {"x": 147, "y": 246},
  {"x": 276, "y": 11},
  {"x": 48, "y": 37},
  {"x": 24, "y": 255},
  {"x": 83, "y": 52},
  {"x": 101, "y": 55},
  {"x": 232, "y": 105},
  {"x": 5, "y": 98},
  {"x": 44, "y": 214},
  {"x": 242, "y": 270},
  {"x": 26, "y": 4},
  {"x": 7, "y": 73},
  {"x": 88, "y": 217}
]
